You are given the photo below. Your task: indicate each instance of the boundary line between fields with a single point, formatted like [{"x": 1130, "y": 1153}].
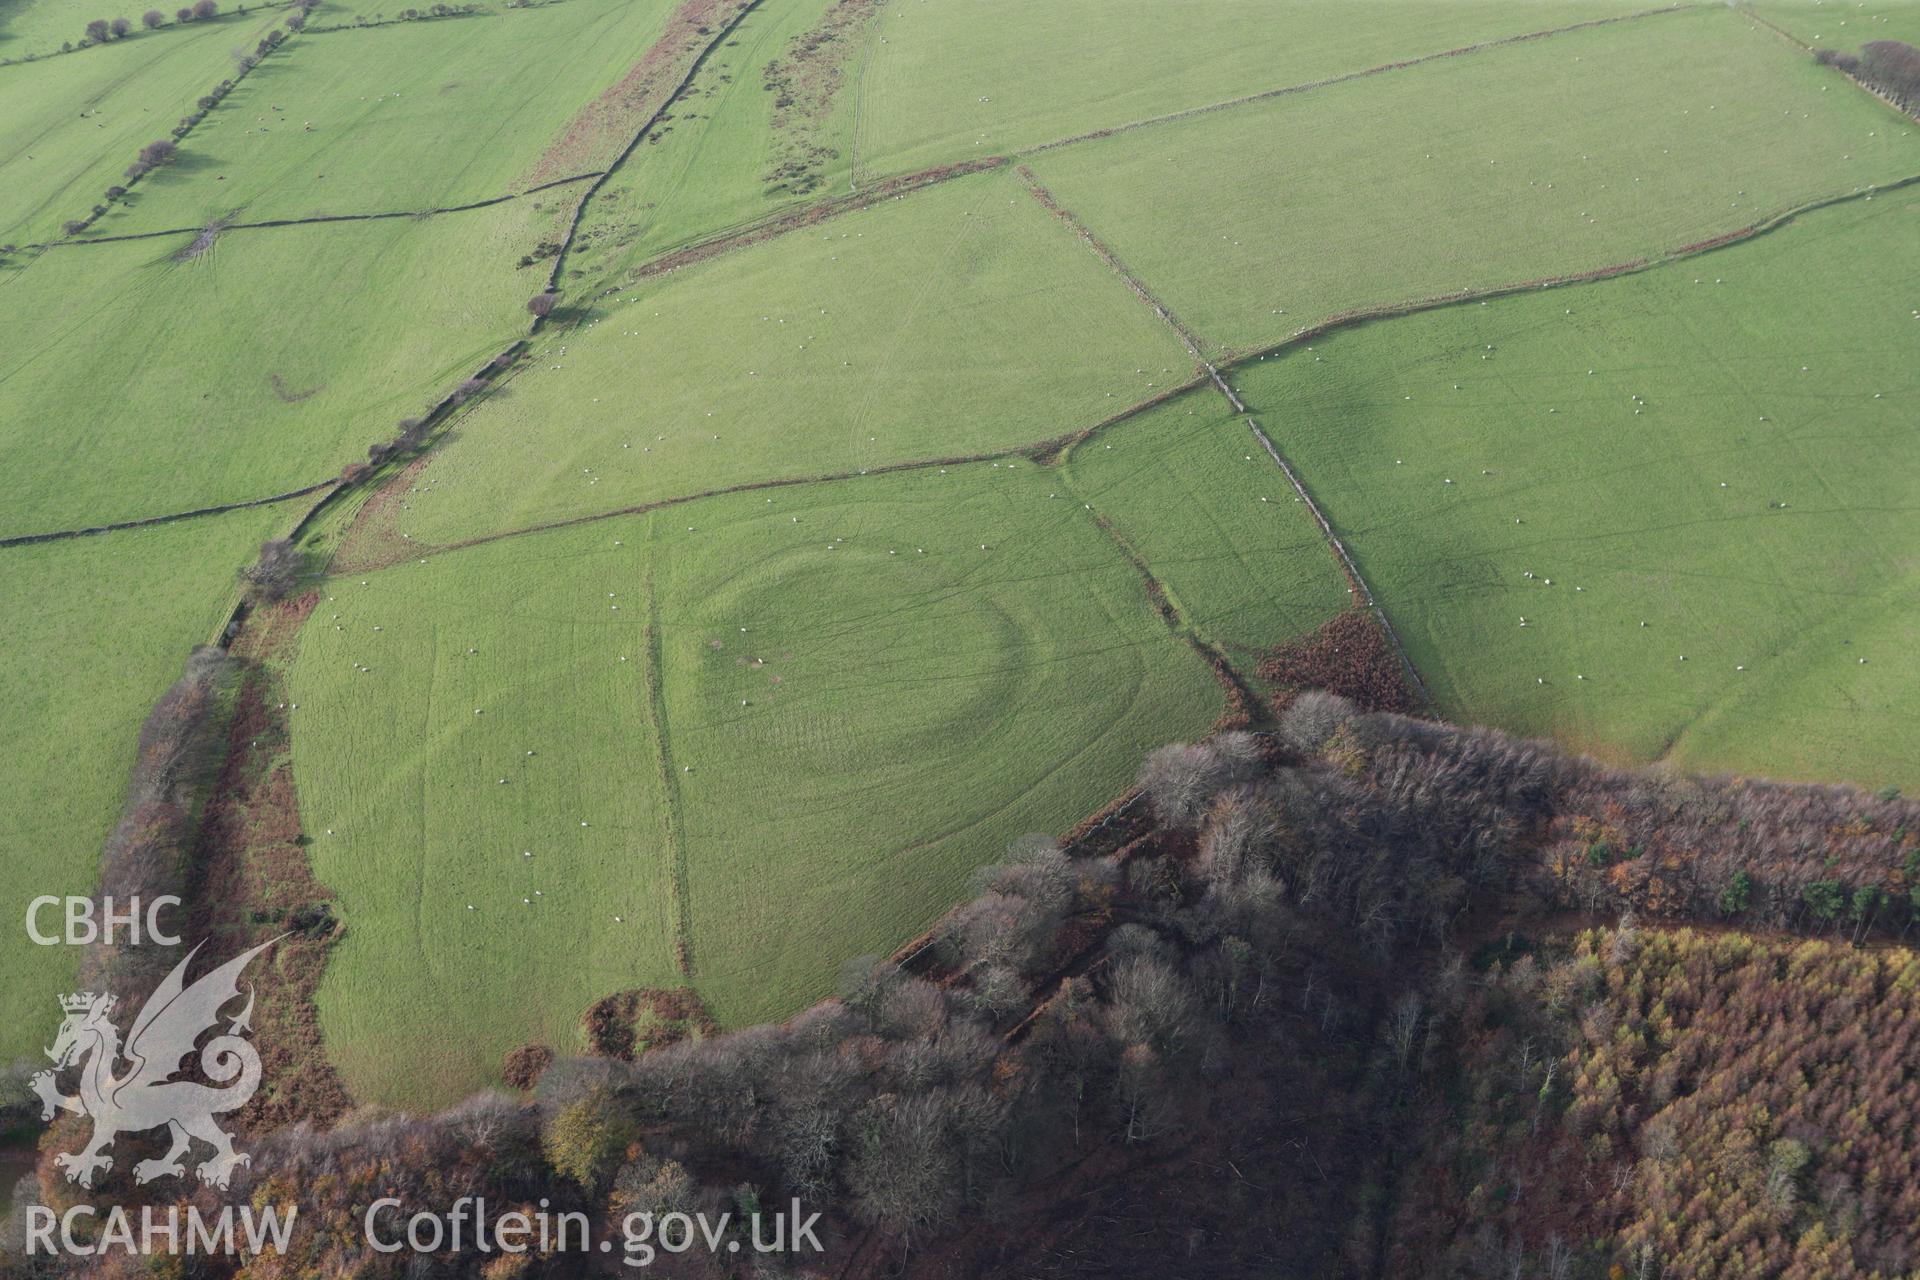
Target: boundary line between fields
[
  {"x": 750, "y": 231},
  {"x": 501, "y": 364},
  {"x": 1243, "y": 706},
  {"x": 672, "y": 817},
  {"x": 1394, "y": 310},
  {"x": 319, "y": 218},
  {"x": 338, "y": 27},
  {"x": 180, "y": 134},
  {"x": 779, "y": 224},
  {"x": 745, "y": 235},
  {"x": 418, "y": 550},
  {"x": 586, "y": 197},
  {"x": 1746, "y": 11},
  {"x": 1357, "y": 583},
  {"x": 603, "y": 176},
  {"x": 1105, "y": 253},
  {"x": 1049, "y": 449},
  {"x": 1357, "y": 587},
  {"x": 61, "y": 535},
  {"x": 238, "y": 16},
  {"x": 1095, "y": 135}
]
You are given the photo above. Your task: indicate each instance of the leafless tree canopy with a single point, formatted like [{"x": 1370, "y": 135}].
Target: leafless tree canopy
[{"x": 277, "y": 572}]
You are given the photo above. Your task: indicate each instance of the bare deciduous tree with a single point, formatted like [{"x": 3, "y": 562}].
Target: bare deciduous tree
[
  {"x": 275, "y": 574},
  {"x": 905, "y": 1176},
  {"x": 1311, "y": 718},
  {"x": 1182, "y": 779}
]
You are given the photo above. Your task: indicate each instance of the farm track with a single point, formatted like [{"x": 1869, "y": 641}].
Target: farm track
[{"x": 854, "y": 170}]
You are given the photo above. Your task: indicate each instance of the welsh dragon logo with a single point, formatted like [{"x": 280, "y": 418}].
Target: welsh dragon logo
[{"x": 144, "y": 1096}]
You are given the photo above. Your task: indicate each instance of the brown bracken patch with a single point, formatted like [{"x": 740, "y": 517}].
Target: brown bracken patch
[
  {"x": 805, "y": 80},
  {"x": 604, "y": 126},
  {"x": 372, "y": 538},
  {"x": 629, "y": 1023},
  {"x": 251, "y": 881},
  {"x": 811, "y": 214},
  {"x": 1349, "y": 655},
  {"x": 524, "y": 1066}
]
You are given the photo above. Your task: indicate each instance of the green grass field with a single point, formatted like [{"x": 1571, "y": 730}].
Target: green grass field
[
  {"x": 352, "y": 125},
  {"x": 1196, "y": 497},
  {"x": 960, "y": 320},
  {"x": 800, "y": 658},
  {"x": 1551, "y": 157},
  {"x": 954, "y": 79},
  {"x": 35, "y": 28},
  {"x": 76, "y": 121},
  {"x": 94, "y": 630},
  {"x": 932, "y": 665},
  {"x": 1844, "y": 24},
  {"x": 399, "y": 787},
  {"x": 1725, "y": 448},
  {"x": 261, "y": 366},
  {"x": 768, "y": 728},
  {"x": 38, "y": 28}
]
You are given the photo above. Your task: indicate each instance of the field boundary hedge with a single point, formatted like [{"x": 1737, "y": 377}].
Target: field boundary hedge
[
  {"x": 59, "y": 535},
  {"x": 1864, "y": 87},
  {"x": 699, "y": 60},
  {"x": 417, "y": 549},
  {"x": 1356, "y": 583},
  {"x": 1413, "y": 306},
  {"x": 1307, "y": 86},
  {"x": 1101, "y": 250},
  {"x": 673, "y": 824},
  {"x": 278, "y": 38},
  {"x": 318, "y": 218},
  {"x": 744, "y": 235}
]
